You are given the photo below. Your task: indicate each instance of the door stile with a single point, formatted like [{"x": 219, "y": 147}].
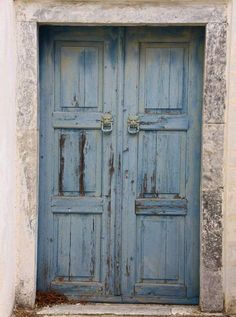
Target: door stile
[
  {"x": 45, "y": 260},
  {"x": 110, "y": 155},
  {"x": 130, "y": 152},
  {"x": 119, "y": 162},
  {"x": 196, "y": 53},
  {"x": 89, "y": 214},
  {"x": 161, "y": 165}
]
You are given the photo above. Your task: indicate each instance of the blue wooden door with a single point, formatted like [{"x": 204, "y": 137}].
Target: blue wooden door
[
  {"x": 161, "y": 164},
  {"x": 78, "y": 88},
  {"x": 120, "y": 163}
]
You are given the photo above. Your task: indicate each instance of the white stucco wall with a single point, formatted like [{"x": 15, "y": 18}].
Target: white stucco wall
[{"x": 7, "y": 157}]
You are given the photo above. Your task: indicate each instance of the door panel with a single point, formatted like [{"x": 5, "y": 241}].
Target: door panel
[
  {"x": 162, "y": 76},
  {"x": 78, "y": 85},
  {"x": 79, "y": 162},
  {"x": 163, "y": 70},
  {"x": 119, "y": 211}
]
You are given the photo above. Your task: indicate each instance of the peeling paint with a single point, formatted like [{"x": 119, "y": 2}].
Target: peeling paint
[{"x": 82, "y": 163}]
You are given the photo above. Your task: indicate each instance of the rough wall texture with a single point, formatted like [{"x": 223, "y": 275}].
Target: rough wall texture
[
  {"x": 212, "y": 167},
  {"x": 127, "y": 12},
  {"x": 7, "y": 158},
  {"x": 230, "y": 179},
  {"x": 27, "y": 159},
  {"x": 214, "y": 16}
]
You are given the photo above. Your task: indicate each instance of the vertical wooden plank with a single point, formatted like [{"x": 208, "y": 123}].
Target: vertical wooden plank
[
  {"x": 157, "y": 77},
  {"x": 82, "y": 247},
  {"x": 196, "y": 49},
  {"x": 176, "y": 80},
  {"x": 70, "y": 77},
  {"x": 173, "y": 252},
  {"x": 64, "y": 246},
  {"x": 154, "y": 248},
  {"x": 168, "y": 162},
  {"x": 68, "y": 173},
  {"x": 81, "y": 77},
  {"x": 147, "y": 157},
  {"x": 91, "y": 78},
  {"x": 46, "y": 264},
  {"x": 91, "y": 162}
]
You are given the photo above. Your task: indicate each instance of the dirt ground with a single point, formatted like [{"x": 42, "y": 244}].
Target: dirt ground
[{"x": 43, "y": 299}]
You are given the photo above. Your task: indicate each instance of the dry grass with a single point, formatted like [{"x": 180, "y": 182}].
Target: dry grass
[
  {"x": 43, "y": 299},
  {"x": 23, "y": 312},
  {"x": 51, "y": 298}
]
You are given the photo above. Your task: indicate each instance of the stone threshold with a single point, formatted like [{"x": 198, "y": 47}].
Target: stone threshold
[{"x": 123, "y": 310}]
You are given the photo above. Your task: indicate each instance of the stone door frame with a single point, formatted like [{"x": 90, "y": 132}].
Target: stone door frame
[{"x": 29, "y": 15}]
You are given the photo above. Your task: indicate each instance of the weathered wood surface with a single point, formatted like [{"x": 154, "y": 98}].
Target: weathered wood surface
[{"x": 119, "y": 212}]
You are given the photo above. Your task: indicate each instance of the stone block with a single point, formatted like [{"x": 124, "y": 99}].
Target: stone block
[
  {"x": 212, "y": 156},
  {"x": 215, "y": 73}
]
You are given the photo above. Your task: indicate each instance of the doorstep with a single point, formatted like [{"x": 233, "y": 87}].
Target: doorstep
[{"x": 123, "y": 310}]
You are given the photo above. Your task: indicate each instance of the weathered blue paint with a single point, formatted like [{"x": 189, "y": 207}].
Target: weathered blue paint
[{"x": 119, "y": 212}]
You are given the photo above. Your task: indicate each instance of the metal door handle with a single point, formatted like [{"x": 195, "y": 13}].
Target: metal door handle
[
  {"x": 133, "y": 124},
  {"x": 107, "y": 122}
]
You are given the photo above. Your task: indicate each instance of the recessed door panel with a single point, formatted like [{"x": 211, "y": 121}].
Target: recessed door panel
[
  {"x": 80, "y": 158},
  {"x": 162, "y": 74}
]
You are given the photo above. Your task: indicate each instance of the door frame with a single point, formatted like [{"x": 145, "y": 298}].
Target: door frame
[{"x": 214, "y": 18}]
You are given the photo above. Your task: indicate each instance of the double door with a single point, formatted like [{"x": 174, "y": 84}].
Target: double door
[{"x": 120, "y": 143}]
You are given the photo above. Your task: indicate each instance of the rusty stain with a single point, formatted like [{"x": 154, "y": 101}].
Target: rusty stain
[
  {"x": 45, "y": 271},
  {"x": 127, "y": 268},
  {"x": 92, "y": 262},
  {"x": 118, "y": 272},
  {"x": 153, "y": 182},
  {"x": 83, "y": 302},
  {"x": 177, "y": 196},
  {"x": 92, "y": 266},
  {"x": 111, "y": 164},
  {"x": 109, "y": 261},
  {"x": 74, "y": 102},
  {"x": 109, "y": 207},
  {"x": 109, "y": 266},
  {"x": 132, "y": 184},
  {"x": 119, "y": 163},
  {"x": 111, "y": 172},
  {"x": 145, "y": 184},
  {"x": 82, "y": 142},
  {"x": 62, "y": 162}
]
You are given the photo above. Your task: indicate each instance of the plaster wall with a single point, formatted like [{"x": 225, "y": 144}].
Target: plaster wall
[
  {"x": 230, "y": 175},
  {"x": 212, "y": 14},
  {"x": 7, "y": 157}
]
